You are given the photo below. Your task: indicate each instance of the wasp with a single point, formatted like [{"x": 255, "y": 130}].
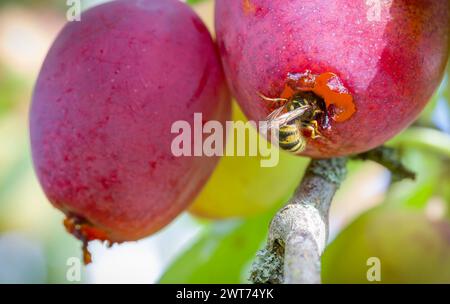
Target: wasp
[{"x": 298, "y": 113}]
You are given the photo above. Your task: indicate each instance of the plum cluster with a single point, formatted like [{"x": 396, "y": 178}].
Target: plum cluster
[{"x": 113, "y": 84}]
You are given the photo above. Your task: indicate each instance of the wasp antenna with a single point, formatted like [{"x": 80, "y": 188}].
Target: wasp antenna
[{"x": 271, "y": 99}]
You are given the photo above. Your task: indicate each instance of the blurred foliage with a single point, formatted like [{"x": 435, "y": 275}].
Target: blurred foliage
[
  {"x": 60, "y": 4},
  {"x": 222, "y": 254},
  {"x": 10, "y": 88}
]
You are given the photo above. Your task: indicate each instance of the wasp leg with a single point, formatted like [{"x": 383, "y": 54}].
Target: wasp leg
[
  {"x": 313, "y": 126},
  {"x": 315, "y": 112}
]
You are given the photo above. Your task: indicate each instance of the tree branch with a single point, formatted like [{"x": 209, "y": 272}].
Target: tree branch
[{"x": 299, "y": 231}]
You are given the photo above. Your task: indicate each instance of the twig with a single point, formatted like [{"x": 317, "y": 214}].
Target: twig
[
  {"x": 299, "y": 231},
  {"x": 389, "y": 158}
]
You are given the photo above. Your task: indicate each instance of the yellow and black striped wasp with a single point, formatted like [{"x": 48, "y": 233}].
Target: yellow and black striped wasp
[{"x": 298, "y": 113}]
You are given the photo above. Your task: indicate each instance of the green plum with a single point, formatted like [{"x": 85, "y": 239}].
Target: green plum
[
  {"x": 410, "y": 248},
  {"x": 241, "y": 187}
]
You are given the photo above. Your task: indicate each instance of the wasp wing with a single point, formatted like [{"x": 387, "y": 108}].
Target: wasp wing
[
  {"x": 275, "y": 113},
  {"x": 285, "y": 118},
  {"x": 276, "y": 119},
  {"x": 266, "y": 125}
]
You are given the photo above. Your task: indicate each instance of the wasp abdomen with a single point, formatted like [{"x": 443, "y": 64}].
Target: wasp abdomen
[{"x": 290, "y": 138}]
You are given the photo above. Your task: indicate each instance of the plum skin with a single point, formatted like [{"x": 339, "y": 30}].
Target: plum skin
[
  {"x": 109, "y": 90},
  {"x": 390, "y": 65}
]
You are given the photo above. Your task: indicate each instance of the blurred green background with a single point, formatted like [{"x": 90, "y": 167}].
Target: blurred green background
[{"x": 406, "y": 224}]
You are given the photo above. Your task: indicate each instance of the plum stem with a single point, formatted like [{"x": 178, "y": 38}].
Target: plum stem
[
  {"x": 389, "y": 158},
  {"x": 299, "y": 231}
]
